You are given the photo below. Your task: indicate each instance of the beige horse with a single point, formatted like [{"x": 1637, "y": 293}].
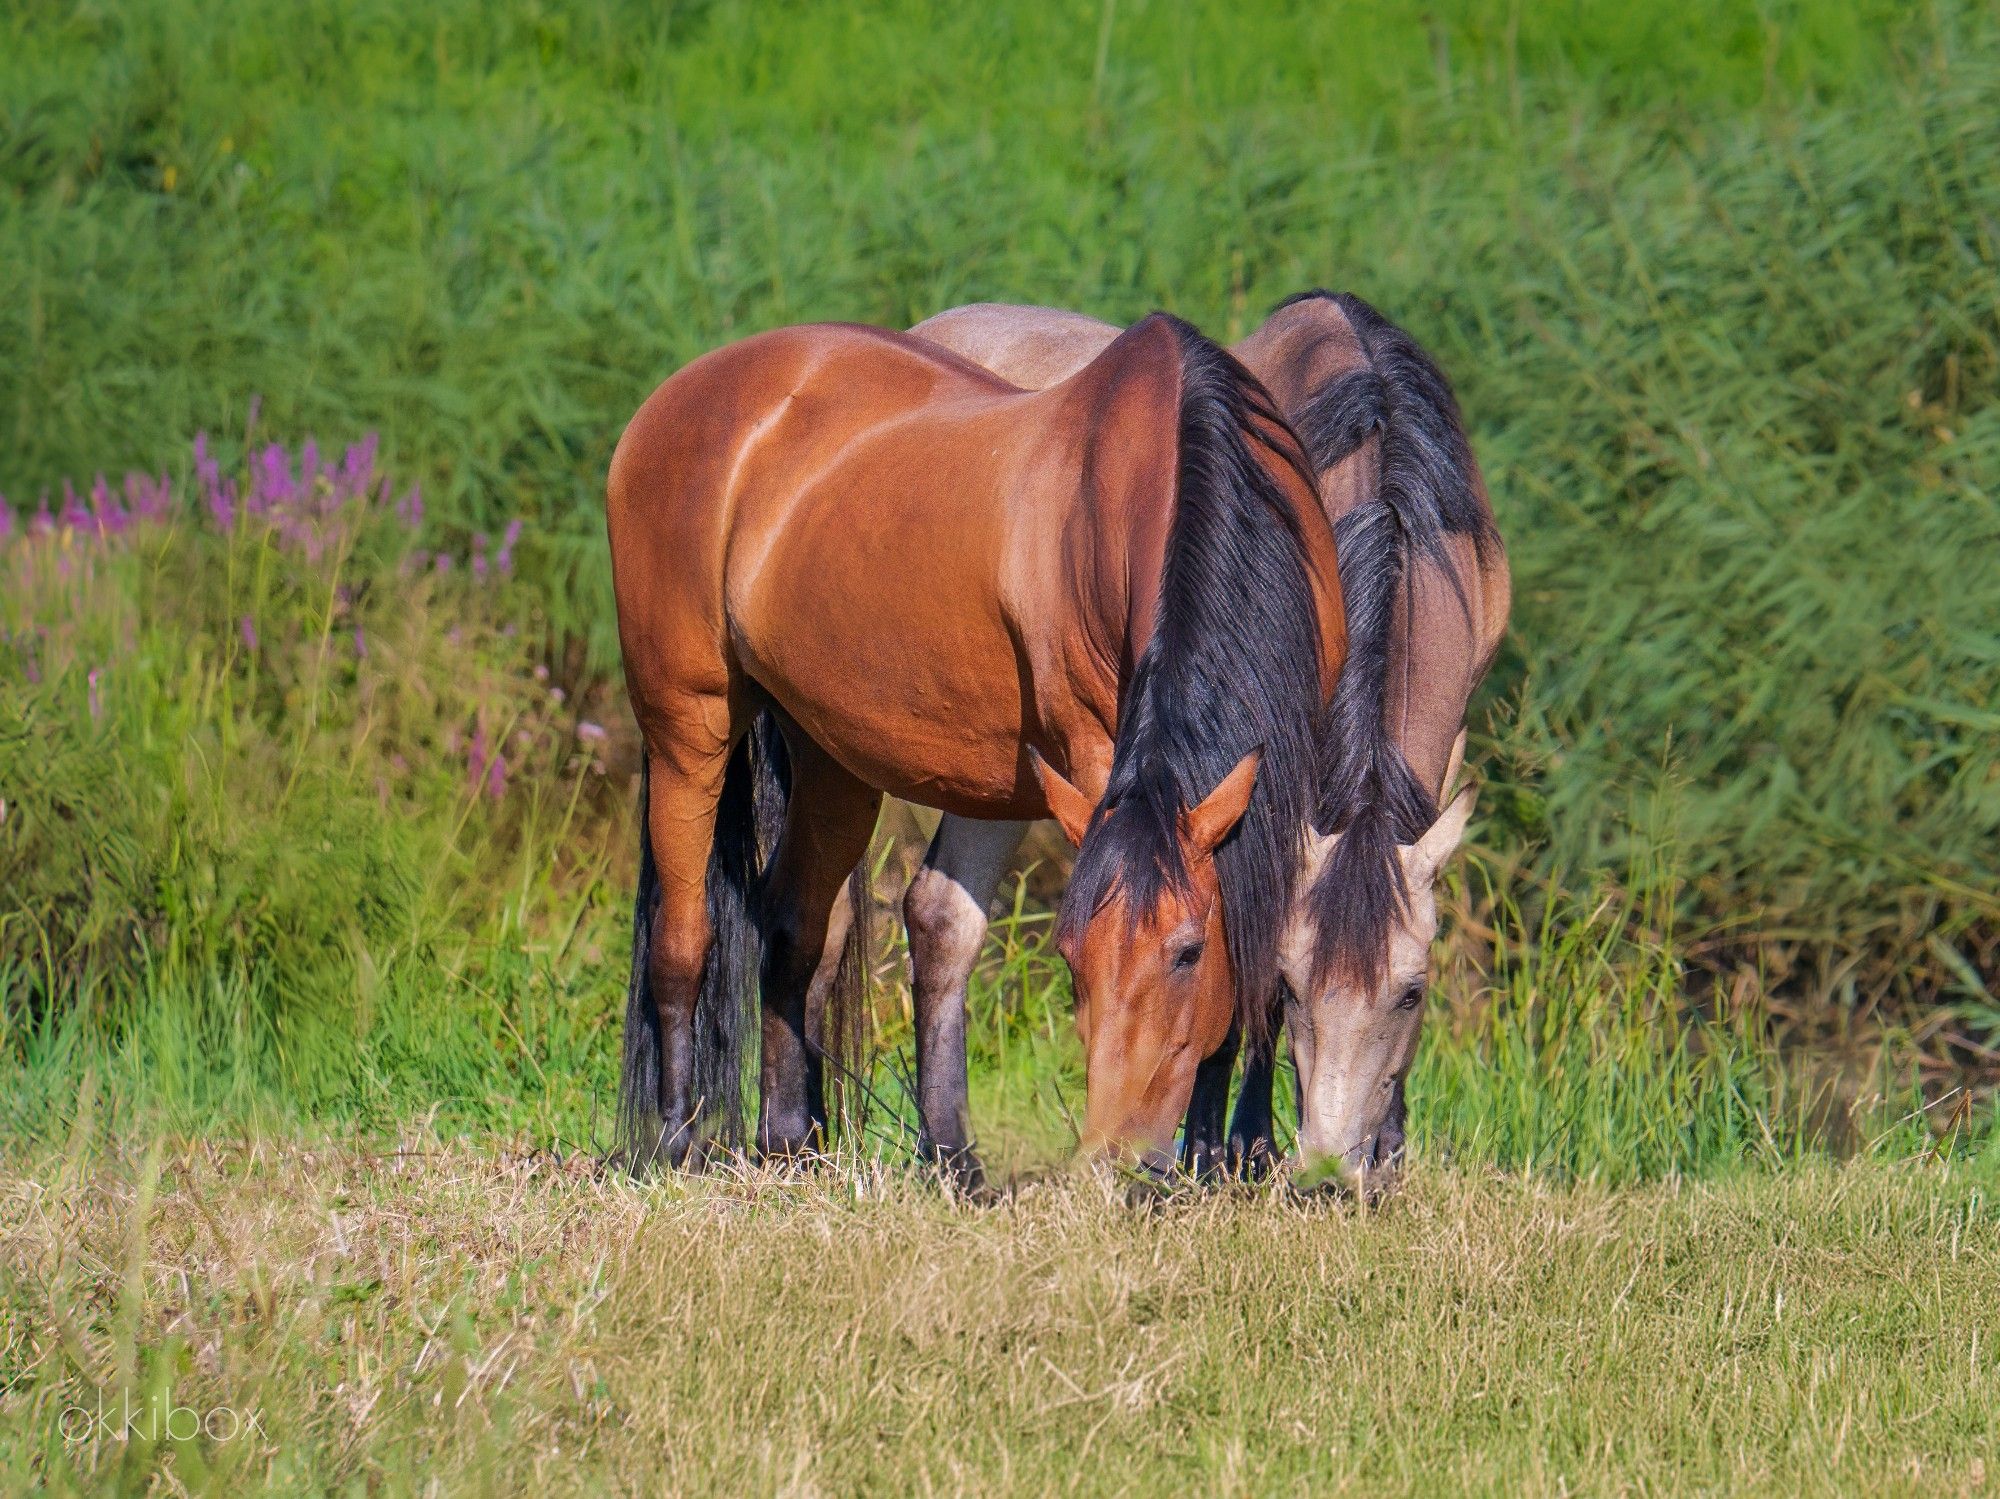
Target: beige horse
[{"x": 1427, "y": 591}]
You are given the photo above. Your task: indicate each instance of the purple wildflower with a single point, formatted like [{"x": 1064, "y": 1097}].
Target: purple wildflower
[
  {"x": 112, "y": 519},
  {"x": 74, "y": 516},
  {"x": 6, "y": 519},
  {"x": 443, "y": 563},
  {"x": 218, "y": 495},
  {"x": 357, "y": 468},
  {"x": 479, "y": 555},
  {"x": 496, "y": 778},
  {"x": 591, "y": 733},
  {"x": 247, "y": 628},
  {"x": 360, "y": 645},
  {"x": 475, "y": 757},
  {"x": 43, "y": 523},
  {"x": 271, "y": 483},
  {"x": 146, "y": 498},
  {"x": 96, "y": 699},
  {"x": 504, "y": 558},
  {"x": 410, "y": 508},
  {"x": 309, "y": 466}
]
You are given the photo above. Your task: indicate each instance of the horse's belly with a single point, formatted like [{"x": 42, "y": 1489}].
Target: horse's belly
[
  {"x": 910, "y": 721},
  {"x": 899, "y": 665}
]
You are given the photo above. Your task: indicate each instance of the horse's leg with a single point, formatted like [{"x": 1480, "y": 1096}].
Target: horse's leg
[
  {"x": 1253, "y": 1143},
  {"x": 828, "y": 822},
  {"x": 945, "y": 911},
  {"x": 685, "y": 784},
  {"x": 1208, "y": 1109}
]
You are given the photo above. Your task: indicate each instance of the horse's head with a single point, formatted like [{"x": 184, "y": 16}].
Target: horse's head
[
  {"x": 1142, "y": 930},
  {"x": 1354, "y": 1028}
]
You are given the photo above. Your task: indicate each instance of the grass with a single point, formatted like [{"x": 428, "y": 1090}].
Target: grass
[
  {"x": 315, "y": 841},
  {"x": 448, "y": 1317},
  {"x": 1716, "y": 285}
]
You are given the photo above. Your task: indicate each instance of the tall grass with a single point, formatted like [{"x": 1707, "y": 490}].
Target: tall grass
[
  {"x": 1716, "y": 284},
  {"x": 281, "y": 786},
  {"x": 298, "y": 833},
  {"x": 1718, "y": 298}
]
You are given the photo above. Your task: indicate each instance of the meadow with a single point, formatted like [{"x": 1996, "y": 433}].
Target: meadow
[{"x": 317, "y": 325}]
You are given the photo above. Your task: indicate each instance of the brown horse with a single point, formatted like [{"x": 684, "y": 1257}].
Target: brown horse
[
  {"x": 1114, "y": 601},
  {"x": 1426, "y": 585}
]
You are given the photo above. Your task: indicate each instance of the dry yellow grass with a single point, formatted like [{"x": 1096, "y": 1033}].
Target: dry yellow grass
[{"x": 450, "y": 1319}]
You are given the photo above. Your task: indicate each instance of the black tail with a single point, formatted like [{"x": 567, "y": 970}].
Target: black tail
[
  {"x": 1428, "y": 490},
  {"x": 751, "y": 811}
]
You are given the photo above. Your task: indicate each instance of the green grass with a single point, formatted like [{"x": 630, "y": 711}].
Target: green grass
[
  {"x": 1716, "y": 285},
  {"x": 261, "y": 875}
]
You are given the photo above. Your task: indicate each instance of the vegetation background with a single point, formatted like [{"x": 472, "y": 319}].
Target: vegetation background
[{"x": 314, "y": 814}]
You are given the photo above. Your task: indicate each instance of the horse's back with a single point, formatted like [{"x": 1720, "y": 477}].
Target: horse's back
[
  {"x": 865, "y": 526},
  {"x": 1032, "y": 347},
  {"x": 728, "y": 437}
]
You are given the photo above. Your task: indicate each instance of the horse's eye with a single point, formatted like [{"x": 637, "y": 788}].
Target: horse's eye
[
  {"x": 1188, "y": 956},
  {"x": 1411, "y": 997}
]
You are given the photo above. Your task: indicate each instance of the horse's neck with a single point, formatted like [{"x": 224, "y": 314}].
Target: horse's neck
[
  {"x": 1441, "y": 643},
  {"x": 1443, "y": 636}
]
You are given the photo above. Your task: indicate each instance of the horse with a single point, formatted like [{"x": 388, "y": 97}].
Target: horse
[
  {"x": 1426, "y": 585},
  {"x": 848, "y": 562}
]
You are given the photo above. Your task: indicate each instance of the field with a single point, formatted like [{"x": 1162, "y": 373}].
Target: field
[
  {"x": 429, "y": 1317},
  {"x": 317, "y": 325}
]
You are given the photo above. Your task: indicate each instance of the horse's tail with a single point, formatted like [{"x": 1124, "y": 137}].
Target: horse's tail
[
  {"x": 754, "y": 791},
  {"x": 846, "y": 1034}
]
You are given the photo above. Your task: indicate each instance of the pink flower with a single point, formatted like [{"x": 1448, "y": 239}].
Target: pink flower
[
  {"x": 96, "y": 699},
  {"x": 110, "y": 515},
  {"x": 74, "y": 516},
  {"x": 357, "y": 469},
  {"x": 218, "y": 494},
  {"x": 591, "y": 733},
  {"x": 360, "y": 645},
  {"x": 247, "y": 628},
  {"x": 475, "y": 757}
]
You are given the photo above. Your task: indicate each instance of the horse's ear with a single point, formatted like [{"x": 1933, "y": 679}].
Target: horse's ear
[
  {"x": 1209, "y": 823},
  {"x": 1453, "y": 766},
  {"x": 1424, "y": 858},
  {"x": 1067, "y": 805}
]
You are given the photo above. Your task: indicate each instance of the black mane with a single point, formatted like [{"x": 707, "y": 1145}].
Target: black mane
[
  {"x": 1233, "y": 666},
  {"x": 1428, "y": 491}
]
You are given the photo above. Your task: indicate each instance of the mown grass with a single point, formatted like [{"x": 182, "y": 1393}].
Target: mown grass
[{"x": 441, "y": 1317}]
